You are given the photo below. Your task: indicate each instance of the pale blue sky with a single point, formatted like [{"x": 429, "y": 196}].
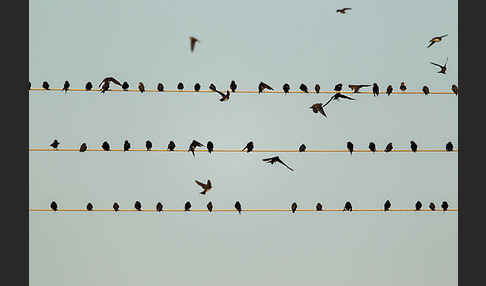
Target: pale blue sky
[{"x": 248, "y": 41}]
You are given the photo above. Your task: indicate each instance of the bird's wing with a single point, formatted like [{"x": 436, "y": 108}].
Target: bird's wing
[
  {"x": 220, "y": 93},
  {"x": 321, "y": 110},
  {"x": 267, "y": 159},
  {"x": 281, "y": 162},
  {"x": 431, "y": 43},
  {"x": 202, "y": 185},
  {"x": 344, "y": 9},
  {"x": 443, "y": 36},
  {"x": 364, "y": 85},
  {"x": 114, "y": 81},
  {"x": 267, "y": 86},
  {"x": 347, "y": 97},
  {"x": 436, "y": 64},
  {"x": 330, "y": 99}
]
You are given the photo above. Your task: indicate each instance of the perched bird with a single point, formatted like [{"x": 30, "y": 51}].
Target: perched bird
[
  {"x": 317, "y": 88},
  {"x": 319, "y": 207},
  {"x": 138, "y": 206},
  {"x": 210, "y": 206},
  {"x": 350, "y": 147},
  {"x": 303, "y": 87},
  {"x": 54, "y": 206},
  {"x": 89, "y": 207},
  {"x": 125, "y": 85},
  {"x": 210, "y": 146},
  {"x": 432, "y": 206},
  {"x": 418, "y": 205},
  {"x": 286, "y": 88},
  {"x": 193, "y": 43},
  {"x": 148, "y": 145},
  {"x": 106, "y": 83},
  {"x": 54, "y": 144},
  {"x": 343, "y": 10},
  {"x": 233, "y": 86},
  {"x": 45, "y": 85},
  {"x": 105, "y": 146},
  {"x": 159, "y": 207},
  {"x": 238, "y": 207},
  {"x": 338, "y": 96},
  {"x": 160, "y": 87},
  {"x": 89, "y": 85},
  {"x": 206, "y": 187},
  {"x": 272, "y": 160},
  {"x": 187, "y": 206},
  {"x": 403, "y": 87},
  {"x": 356, "y": 87},
  {"x": 30, "y": 85},
  {"x": 426, "y": 90},
  {"x": 389, "y": 147},
  {"x": 293, "y": 207},
  {"x": 444, "y": 205},
  {"x": 413, "y": 146},
  {"x": 126, "y": 146},
  {"x": 436, "y": 40},
  {"x": 141, "y": 87},
  {"x": 116, "y": 206},
  {"x": 180, "y": 86},
  {"x": 302, "y": 148},
  {"x": 212, "y": 87},
  {"x": 171, "y": 146},
  {"x": 376, "y": 89},
  {"x": 348, "y": 207},
  {"x": 443, "y": 68},
  {"x": 318, "y": 107},
  {"x": 66, "y": 86},
  {"x": 193, "y": 146},
  {"x": 389, "y": 90},
  {"x": 83, "y": 147},
  {"x": 197, "y": 87},
  {"x": 449, "y": 147},
  {"x": 338, "y": 87},
  {"x": 455, "y": 89},
  {"x": 372, "y": 147},
  {"x": 262, "y": 86},
  {"x": 387, "y": 205},
  {"x": 248, "y": 147}
]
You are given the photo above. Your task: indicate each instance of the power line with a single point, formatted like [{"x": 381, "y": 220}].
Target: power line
[
  {"x": 243, "y": 210},
  {"x": 239, "y": 151}
]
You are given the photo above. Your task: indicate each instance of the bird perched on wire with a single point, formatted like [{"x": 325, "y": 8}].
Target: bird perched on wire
[
  {"x": 116, "y": 206},
  {"x": 171, "y": 146},
  {"x": 54, "y": 206},
  {"x": 372, "y": 147},
  {"x": 106, "y": 83},
  {"x": 210, "y": 146},
  {"x": 350, "y": 147},
  {"x": 356, "y": 87},
  {"x": 197, "y": 86},
  {"x": 444, "y": 206},
  {"x": 238, "y": 207},
  {"x": 180, "y": 86},
  {"x": 105, "y": 146},
  {"x": 389, "y": 147},
  {"x": 418, "y": 205},
  {"x": 449, "y": 147},
  {"x": 193, "y": 43},
  {"x": 29, "y": 86},
  {"x": 233, "y": 86},
  {"x": 83, "y": 147},
  {"x": 54, "y": 144},
  {"x": 343, "y": 10},
  {"x": 286, "y": 88},
  {"x": 125, "y": 85},
  {"x": 436, "y": 40},
  {"x": 426, "y": 90},
  {"x": 206, "y": 187},
  {"x": 212, "y": 87},
  {"x": 387, "y": 205},
  {"x": 45, "y": 85},
  {"x": 389, "y": 90},
  {"x": 160, "y": 87},
  {"x": 272, "y": 160},
  {"x": 319, "y": 207},
  {"x": 66, "y": 86},
  {"x": 403, "y": 87},
  {"x": 193, "y": 146},
  {"x": 249, "y": 147},
  {"x": 455, "y": 89},
  {"x": 303, "y": 87},
  {"x": 187, "y": 206},
  {"x": 413, "y": 146},
  {"x": 138, "y": 206},
  {"x": 148, "y": 145},
  {"x": 89, "y": 206},
  {"x": 293, "y": 207},
  {"x": 262, "y": 86},
  {"x": 443, "y": 68},
  {"x": 376, "y": 89},
  {"x": 126, "y": 146},
  {"x": 159, "y": 207},
  {"x": 141, "y": 87},
  {"x": 88, "y": 86},
  {"x": 210, "y": 206},
  {"x": 302, "y": 148},
  {"x": 338, "y": 87},
  {"x": 348, "y": 207},
  {"x": 432, "y": 206},
  {"x": 317, "y": 88},
  {"x": 318, "y": 107}
]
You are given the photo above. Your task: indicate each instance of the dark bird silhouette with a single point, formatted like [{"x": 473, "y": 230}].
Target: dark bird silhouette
[
  {"x": 372, "y": 147},
  {"x": 403, "y": 87},
  {"x": 319, "y": 207},
  {"x": 125, "y": 85},
  {"x": 193, "y": 146},
  {"x": 318, "y": 107},
  {"x": 193, "y": 43},
  {"x": 436, "y": 40},
  {"x": 376, "y": 89},
  {"x": 262, "y": 86},
  {"x": 286, "y": 88},
  {"x": 141, "y": 87},
  {"x": 159, "y": 207},
  {"x": 248, "y": 147},
  {"x": 432, "y": 206},
  {"x": 356, "y": 87},
  {"x": 89, "y": 86},
  {"x": 30, "y": 85},
  {"x": 138, "y": 206},
  {"x": 54, "y": 144},
  {"x": 443, "y": 68},
  {"x": 272, "y": 160},
  {"x": 126, "y": 146},
  {"x": 302, "y": 148},
  {"x": 426, "y": 90},
  {"x": 206, "y": 187},
  {"x": 444, "y": 205},
  {"x": 343, "y": 10},
  {"x": 224, "y": 97},
  {"x": 212, "y": 87},
  {"x": 54, "y": 206},
  {"x": 449, "y": 147},
  {"x": 105, "y": 146},
  {"x": 105, "y": 84},
  {"x": 180, "y": 86},
  {"x": 66, "y": 86},
  {"x": 233, "y": 86},
  {"x": 389, "y": 90},
  {"x": 160, "y": 87},
  {"x": 171, "y": 146},
  {"x": 317, "y": 88},
  {"x": 45, "y": 85},
  {"x": 418, "y": 205},
  {"x": 210, "y": 206},
  {"x": 187, "y": 206},
  {"x": 83, "y": 147},
  {"x": 455, "y": 89},
  {"x": 413, "y": 146},
  {"x": 89, "y": 207},
  {"x": 293, "y": 207},
  {"x": 350, "y": 147},
  {"x": 338, "y": 87},
  {"x": 148, "y": 145},
  {"x": 197, "y": 87},
  {"x": 389, "y": 147},
  {"x": 116, "y": 206},
  {"x": 238, "y": 207},
  {"x": 348, "y": 207},
  {"x": 338, "y": 96},
  {"x": 210, "y": 146},
  {"x": 387, "y": 205},
  {"x": 303, "y": 87}
]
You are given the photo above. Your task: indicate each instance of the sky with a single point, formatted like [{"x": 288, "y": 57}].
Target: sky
[{"x": 246, "y": 41}]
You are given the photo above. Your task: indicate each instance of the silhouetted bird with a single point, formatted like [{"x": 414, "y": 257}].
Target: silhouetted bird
[
  {"x": 160, "y": 87},
  {"x": 418, "y": 205},
  {"x": 317, "y": 88},
  {"x": 83, "y": 147},
  {"x": 449, "y": 147},
  {"x": 303, "y": 87},
  {"x": 338, "y": 96},
  {"x": 89, "y": 207},
  {"x": 432, "y": 206},
  {"x": 403, "y": 87},
  {"x": 125, "y": 85},
  {"x": 159, "y": 207},
  {"x": 193, "y": 146},
  {"x": 387, "y": 205},
  {"x": 443, "y": 68},
  {"x": 286, "y": 88},
  {"x": 210, "y": 146},
  {"x": 30, "y": 85},
  {"x": 343, "y": 10},
  {"x": 210, "y": 206},
  {"x": 141, "y": 87},
  {"x": 212, "y": 87},
  {"x": 180, "y": 86},
  {"x": 376, "y": 89},
  {"x": 356, "y": 87},
  {"x": 224, "y": 97},
  {"x": 436, "y": 40},
  {"x": 148, "y": 145},
  {"x": 197, "y": 87},
  {"x": 444, "y": 205},
  {"x": 66, "y": 86},
  {"x": 426, "y": 90},
  {"x": 272, "y": 160},
  {"x": 293, "y": 207},
  {"x": 302, "y": 148},
  {"x": 105, "y": 84},
  {"x": 455, "y": 89},
  {"x": 262, "y": 86},
  {"x": 238, "y": 207},
  {"x": 389, "y": 147},
  {"x": 193, "y": 43},
  {"x": 206, "y": 187},
  {"x": 54, "y": 206},
  {"x": 171, "y": 146},
  {"x": 372, "y": 147},
  {"x": 116, "y": 206},
  {"x": 54, "y": 144},
  {"x": 187, "y": 206},
  {"x": 413, "y": 146},
  {"x": 45, "y": 85},
  {"x": 233, "y": 86},
  {"x": 350, "y": 147},
  {"x": 319, "y": 207},
  {"x": 318, "y": 107},
  {"x": 89, "y": 85},
  {"x": 105, "y": 146},
  {"x": 348, "y": 207},
  {"x": 338, "y": 87},
  {"x": 389, "y": 90},
  {"x": 248, "y": 147},
  {"x": 138, "y": 206},
  {"x": 126, "y": 146}
]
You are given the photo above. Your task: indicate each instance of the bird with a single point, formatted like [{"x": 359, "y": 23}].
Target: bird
[
  {"x": 455, "y": 89},
  {"x": 66, "y": 86},
  {"x": 160, "y": 87},
  {"x": 238, "y": 207},
  {"x": 262, "y": 86},
  {"x": 138, "y": 206},
  {"x": 233, "y": 86},
  {"x": 180, "y": 86},
  {"x": 389, "y": 147},
  {"x": 197, "y": 87},
  {"x": 303, "y": 87},
  {"x": 45, "y": 85},
  {"x": 224, "y": 97},
  {"x": 443, "y": 68},
  {"x": 343, "y": 10},
  {"x": 126, "y": 146},
  {"x": 356, "y": 87},
  {"x": 426, "y": 90},
  {"x": 348, "y": 207},
  {"x": 449, "y": 147},
  {"x": 106, "y": 83},
  {"x": 83, "y": 147},
  {"x": 105, "y": 146},
  {"x": 318, "y": 107},
  {"x": 403, "y": 87},
  {"x": 436, "y": 40},
  {"x": 272, "y": 160},
  {"x": 159, "y": 207},
  {"x": 387, "y": 205},
  {"x": 338, "y": 87},
  {"x": 286, "y": 88},
  {"x": 206, "y": 187},
  {"x": 212, "y": 87},
  {"x": 89, "y": 85},
  {"x": 319, "y": 207},
  {"x": 302, "y": 148},
  {"x": 444, "y": 205},
  {"x": 30, "y": 85},
  {"x": 116, "y": 206},
  {"x": 293, "y": 207},
  {"x": 187, "y": 206},
  {"x": 193, "y": 43},
  {"x": 338, "y": 96},
  {"x": 141, "y": 87},
  {"x": 171, "y": 146},
  {"x": 210, "y": 146},
  {"x": 418, "y": 205},
  {"x": 54, "y": 206},
  {"x": 54, "y": 144},
  {"x": 210, "y": 206},
  {"x": 89, "y": 207},
  {"x": 432, "y": 206},
  {"x": 389, "y": 90},
  {"x": 372, "y": 147},
  {"x": 148, "y": 145},
  {"x": 105, "y": 86},
  {"x": 248, "y": 147},
  {"x": 317, "y": 88},
  {"x": 413, "y": 146},
  {"x": 350, "y": 147},
  {"x": 376, "y": 89},
  {"x": 193, "y": 146},
  {"x": 125, "y": 85}
]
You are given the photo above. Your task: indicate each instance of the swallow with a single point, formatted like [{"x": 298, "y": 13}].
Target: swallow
[
  {"x": 54, "y": 144},
  {"x": 224, "y": 97},
  {"x": 376, "y": 89},
  {"x": 210, "y": 206},
  {"x": 372, "y": 147},
  {"x": 426, "y": 90},
  {"x": 455, "y": 89},
  {"x": 248, "y": 147},
  {"x": 286, "y": 88},
  {"x": 317, "y": 88},
  {"x": 83, "y": 147},
  {"x": 418, "y": 205},
  {"x": 148, "y": 145},
  {"x": 45, "y": 85},
  {"x": 125, "y": 85},
  {"x": 160, "y": 87},
  {"x": 350, "y": 147},
  {"x": 356, "y": 87},
  {"x": 159, "y": 207},
  {"x": 389, "y": 90},
  {"x": 141, "y": 87},
  {"x": 126, "y": 146},
  {"x": 318, "y": 107},
  {"x": 30, "y": 85},
  {"x": 212, "y": 87},
  {"x": 338, "y": 96},
  {"x": 197, "y": 87},
  {"x": 105, "y": 146},
  {"x": 262, "y": 86},
  {"x": 138, "y": 206},
  {"x": 193, "y": 146},
  {"x": 66, "y": 86},
  {"x": 238, "y": 207},
  {"x": 348, "y": 207},
  {"x": 193, "y": 43},
  {"x": 54, "y": 206},
  {"x": 206, "y": 187},
  {"x": 293, "y": 207},
  {"x": 444, "y": 206},
  {"x": 106, "y": 83},
  {"x": 387, "y": 205},
  {"x": 303, "y": 87},
  {"x": 443, "y": 68},
  {"x": 403, "y": 87},
  {"x": 116, "y": 206},
  {"x": 449, "y": 147},
  {"x": 338, "y": 87},
  {"x": 89, "y": 85},
  {"x": 272, "y": 160},
  {"x": 233, "y": 86},
  {"x": 105, "y": 87},
  {"x": 89, "y": 206},
  {"x": 432, "y": 206},
  {"x": 210, "y": 146},
  {"x": 319, "y": 207},
  {"x": 180, "y": 86},
  {"x": 187, "y": 206},
  {"x": 171, "y": 146},
  {"x": 436, "y": 40},
  {"x": 413, "y": 146},
  {"x": 302, "y": 148},
  {"x": 389, "y": 147},
  {"x": 343, "y": 10}
]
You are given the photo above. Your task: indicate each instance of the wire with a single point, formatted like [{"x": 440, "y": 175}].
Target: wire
[
  {"x": 243, "y": 210},
  {"x": 238, "y": 151}
]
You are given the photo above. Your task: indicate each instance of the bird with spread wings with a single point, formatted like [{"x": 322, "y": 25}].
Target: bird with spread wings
[{"x": 206, "y": 187}]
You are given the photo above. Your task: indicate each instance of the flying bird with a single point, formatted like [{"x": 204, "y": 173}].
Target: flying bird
[
  {"x": 206, "y": 187},
  {"x": 343, "y": 10},
  {"x": 160, "y": 87},
  {"x": 319, "y": 207},
  {"x": 302, "y": 148},
  {"x": 159, "y": 207},
  {"x": 262, "y": 86},
  {"x": 317, "y": 88},
  {"x": 180, "y": 86},
  {"x": 89, "y": 85},
  {"x": 293, "y": 207},
  {"x": 138, "y": 206},
  {"x": 443, "y": 68},
  {"x": 387, "y": 205},
  {"x": 348, "y": 207},
  {"x": 303, "y": 87},
  {"x": 66, "y": 86},
  {"x": 403, "y": 87},
  {"x": 426, "y": 90},
  {"x": 338, "y": 87},
  {"x": 210, "y": 206},
  {"x": 372, "y": 147},
  {"x": 125, "y": 85},
  {"x": 238, "y": 207},
  {"x": 389, "y": 90},
  {"x": 449, "y": 147},
  {"x": 224, "y": 97},
  {"x": 272, "y": 160},
  {"x": 338, "y": 96},
  {"x": 418, "y": 205},
  {"x": 233, "y": 86},
  {"x": 141, "y": 87},
  {"x": 54, "y": 144},
  {"x": 350, "y": 147},
  {"x": 210, "y": 146},
  {"x": 248, "y": 147},
  {"x": 54, "y": 206},
  {"x": 413, "y": 146},
  {"x": 318, "y": 107},
  {"x": 436, "y": 40},
  {"x": 376, "y": 89},
  {"x": 171, "y": 146},
  {"x": 126, "y": 146},
  {"x": 444, "y": 206},
  {"x": 105, "y": 146},
  {"x": 432, "y": 206},
  {"x": 89, "y": 206},
  {"x": 356, "y": 87},
  {"x": 116, "y": 206},
  {"x": 187, "y": 206},
  {"x": 148, "y": 145},
  {"x": 197, "y": 87},
  {"x": 45, "y": 85},
  {"x": 193, "y": 43},
  {"x": 286, "y": 88},
  {"x": 193, "y": 146},
  {"x": 455, "y": 89},
  {"x": 106, "y": 83},
  {"x": 389, "y": 147},
  {"x": 83, "y": 147}
]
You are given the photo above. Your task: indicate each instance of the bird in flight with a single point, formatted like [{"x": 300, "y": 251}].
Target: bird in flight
[
  {"x": 338, "y": 96},
  {"x": 302, "y": 148},
  {"x": 343, "y": 10},
  {"x": 272, "y": 160},
  {"x": 206, "y": 187},
  {"x": 318, "y": 107},
  {"x": 224, "y": 97},
  {"x": 387, "y": 205},
  {"x": 83, "y": 147},
  {"x": 436, "y": 40},
  {"x": 356, "y": 87},
  {"x": 293, "y": 207},
  {"x": 106, "y": 83},
  {"x": 262, "y": 86},
  {"x": 54, "y": 144},
  {"x": 443, "y": 68},
  {"x": 193, "y": 146},
  {"x": 389, "y": 90},
  {"x": 238, "y": 207},
  {"x": 193, "y": 43},
  {"x": 455, "y": 89},
  {"x": 248, "y": 147}
]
